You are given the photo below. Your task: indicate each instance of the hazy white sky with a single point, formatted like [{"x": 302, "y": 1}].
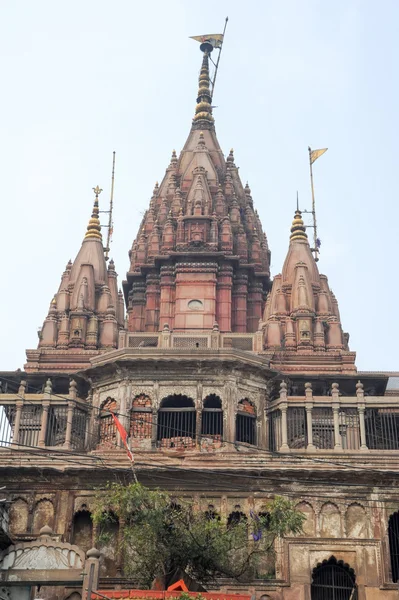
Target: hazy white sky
[{"x": 84, "y": 78}]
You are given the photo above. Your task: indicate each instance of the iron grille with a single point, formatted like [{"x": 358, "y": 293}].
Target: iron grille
[
  {"x": 190, "y": 342},
  {"x": 382, "y": 428},
  {"x": 107, "y": 430},
  {"x": 141, "y": 423},
  {"x": 176, "y": 427},
  {"x": 393, "y": 534},
  {"x": 349, "y": 428},
  {"x": 7, "y": 420},
  {"x": 246, "y": 428},
  {"x": 56, "y": 425},
  {"x": 323, "y": 428},
  {"x": 333, "y": 580},
  {"x": 275, "y": 431},
  {"x": 29, "y": 426},
  {"x": 78, "y": 434},
  {"x": 297, "y": 428},
  {"x": 212, "y": 422}
]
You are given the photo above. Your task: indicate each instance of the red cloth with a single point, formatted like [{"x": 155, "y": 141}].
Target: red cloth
[{"x": 123, "y": 433}]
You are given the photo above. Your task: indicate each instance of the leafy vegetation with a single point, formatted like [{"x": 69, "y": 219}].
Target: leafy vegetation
[{"x": 162, "y": 535}]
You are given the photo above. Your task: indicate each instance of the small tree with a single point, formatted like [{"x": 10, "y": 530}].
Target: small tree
[{"x": 161, "y": 536}]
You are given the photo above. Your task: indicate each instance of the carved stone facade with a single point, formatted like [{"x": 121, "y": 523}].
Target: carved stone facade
[{"x": 231, "y": 393}]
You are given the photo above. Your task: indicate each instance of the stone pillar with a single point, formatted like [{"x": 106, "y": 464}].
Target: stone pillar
[
  {"x": 223, "y": 298},
  {"x": 166, "y": 308},
  {"x": 68, "y": 432},
  {"x": 198, "y": 409},
  {"x": 136, "y": 307},
  {"x": 255, "y": 296},
  {"x": 309, "y": 422},
  {"x": 284, "y": 407},
  {"x": 91, "y": 573},
  {"x": 361, "y": 407},
  {"x": 230, "y": 412},
  {"x": 152, "y": 302},
  {"x": 239, "y": 306},
  {"x": 46, "y": 406},
  {"x": 335, "y": 408},
  {"x": 19, "y": 404}
]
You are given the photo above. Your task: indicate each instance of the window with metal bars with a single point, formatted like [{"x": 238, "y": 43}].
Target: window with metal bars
[
  {"x": 107, "y": 428},
  {"x": 297, "y": 428},
  {"x": 29, "y": 425},
  {"x": 275, "y": 430},
  {"x": 349, "y": 428},
  {"x": 212, "y": 417},
  {"x": 333, "y": 580},
  {"x": 323, "y": 428},
  {"x": 382, "y": 428},
  {"x": 7, "y": 420},
  {"x": 246, "y": 423},
  {"x": 176, "y": 422},
  {"x": 56, "y": 425},
  {"x": 393, "y": 535}
]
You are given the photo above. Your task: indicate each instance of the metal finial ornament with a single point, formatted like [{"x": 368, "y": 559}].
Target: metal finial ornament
[{"x": 97, "y": 190}]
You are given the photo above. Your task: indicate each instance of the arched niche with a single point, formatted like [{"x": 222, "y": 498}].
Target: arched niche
[
  {"x": 43, "y": 515},
  {"x": 356, "y": 521},
  {"x": 176, "y": 427},
  {"x": 19, "y": 513},
  {"x": 308, "y": 526},
  {"x": 246, "y": 422},
  {"x": 106, "y": 425},
  {"x": 82, "y": 530},
  {"x": 333, "y": 580},
  {"x": 330, "y": 521},
  {"x": 212, "y": 417}
]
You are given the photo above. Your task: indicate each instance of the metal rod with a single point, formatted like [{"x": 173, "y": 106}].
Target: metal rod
[
  {"x": 111, "y": 204},
  {"x": 314, "y": 249},
  {"x": 217, "y": 62}
]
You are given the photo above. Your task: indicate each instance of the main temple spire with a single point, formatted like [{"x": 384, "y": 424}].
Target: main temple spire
[{"x": 203, "y": 110}]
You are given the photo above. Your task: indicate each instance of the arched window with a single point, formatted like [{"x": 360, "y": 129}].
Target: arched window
[
  {"x": 212, "y": 417},
  {"x": 176, "y": 422},
  {"x": 141, "y": 418},
  {"x": 107, "y": 428},
  {"x": 393, "y": 534},
  {"x": 246, "y": 423},
  {"x": 211, "y": 514},
  {"x": 333, "y": 580},
  {"x": 236, "y": 517}
]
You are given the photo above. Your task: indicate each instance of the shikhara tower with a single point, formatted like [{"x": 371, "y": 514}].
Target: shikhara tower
[
  {"x": 200, "y": 259},
  {"x": 232, "y": 389}
]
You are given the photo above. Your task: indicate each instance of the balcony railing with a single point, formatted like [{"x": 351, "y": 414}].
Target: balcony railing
[
  {"x": 337, "y": 423},
  {"x": 43, "y": 420},
  {"x": 213, "y": 340}
]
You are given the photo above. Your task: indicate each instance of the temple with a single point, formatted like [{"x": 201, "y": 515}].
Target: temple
[{"x": 233, "y": 387}]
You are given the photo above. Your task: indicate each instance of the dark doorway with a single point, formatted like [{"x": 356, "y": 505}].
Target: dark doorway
[{"x": 393, "y": 534}]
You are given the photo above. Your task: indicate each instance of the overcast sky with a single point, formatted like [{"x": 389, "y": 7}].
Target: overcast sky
[{"x": 83, "y": 78}]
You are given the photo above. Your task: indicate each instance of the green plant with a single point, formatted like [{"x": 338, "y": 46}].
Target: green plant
[{"x": 161, "y": 537}]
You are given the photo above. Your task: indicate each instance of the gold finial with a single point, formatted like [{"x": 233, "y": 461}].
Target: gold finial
[
  {"x": 203, "y": 110},
  {"x": 298, "y": 229},
  {"x": 94, "y": 227}
]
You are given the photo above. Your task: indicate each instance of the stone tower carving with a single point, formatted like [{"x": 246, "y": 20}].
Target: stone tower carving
[
  {"x": 200, "y": 256},
  {"x": 302, "y": 327},
  {"x": 85, "y": 313}
]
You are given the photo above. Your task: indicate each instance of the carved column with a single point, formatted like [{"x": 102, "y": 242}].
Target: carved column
[
  {"x": 361, "y": 407},
  {"x": 198, "y": 409},
  {"x": 136, "y": 308},
  {"x": 239, "y": 306},
  {"x": 152, "y": 302},
  {"x": 19, "y": 404},
  {"x": 223, "y": 297},
  {"x": 71, "y": 406},
  {"x": 46, "y": 406},
  {"x": 166, "y": 308},
  {"x": 284, "y": 407},
  {"x": 309, "y": 422},
  {"x": 255, "y": 297},
  {"x": 335, "y": 408}
]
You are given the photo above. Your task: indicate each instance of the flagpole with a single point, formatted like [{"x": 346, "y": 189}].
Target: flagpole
[{"x": 315, "y": 249}]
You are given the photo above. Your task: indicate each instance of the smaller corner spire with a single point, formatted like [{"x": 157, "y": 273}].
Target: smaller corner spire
[
  {"x": 298, "y": 229},
  {"x": 94, "y": 226}
]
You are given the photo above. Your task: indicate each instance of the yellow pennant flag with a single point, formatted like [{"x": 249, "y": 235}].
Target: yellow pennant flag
[
  {"x": 315, "y": 154},
  {"x": 216, "y": 39}
]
